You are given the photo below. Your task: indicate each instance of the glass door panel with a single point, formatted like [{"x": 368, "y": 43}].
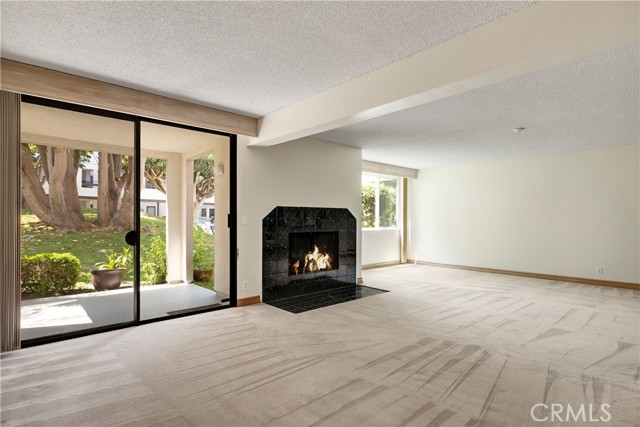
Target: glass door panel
[
  {"x": 185, "y": 199},
  {"x": 78, "y": 203}
]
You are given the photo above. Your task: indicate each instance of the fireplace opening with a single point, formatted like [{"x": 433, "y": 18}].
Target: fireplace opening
[{"x": 313, "y": 252}]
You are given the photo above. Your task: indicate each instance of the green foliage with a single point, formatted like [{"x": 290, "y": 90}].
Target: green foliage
[
  {"x": 387, "y": 208},
  {"x": 116, "y": 260},
  {"x": 203, "y": 255},
  {"x": 49, "y": 273},
  {"x": 368, "y": 206},
  {"x": 156, "y": 167},
  {"x": 154, "y": 265},
  {"x": 85, "y": 244},
  {"x": 387, "y": 205},
  {"x": 203, "y": 174}
]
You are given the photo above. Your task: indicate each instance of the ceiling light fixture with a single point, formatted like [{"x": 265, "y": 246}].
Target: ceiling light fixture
[{"x": 518, "y": 130}]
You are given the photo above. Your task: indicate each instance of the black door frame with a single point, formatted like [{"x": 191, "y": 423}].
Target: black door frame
[{"x": 137, "y": 121}]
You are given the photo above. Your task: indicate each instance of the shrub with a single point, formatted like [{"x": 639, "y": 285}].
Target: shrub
[
  {"x": 154, "y": 265},
  {"x": 49, "y": 273},
  {"x": 203, "y": 255}
]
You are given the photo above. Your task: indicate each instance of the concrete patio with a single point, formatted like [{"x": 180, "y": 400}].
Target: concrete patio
[{"x": 56, "y": 315}]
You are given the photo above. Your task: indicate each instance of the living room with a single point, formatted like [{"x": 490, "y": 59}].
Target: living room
[{"x": 500, "y": 285}]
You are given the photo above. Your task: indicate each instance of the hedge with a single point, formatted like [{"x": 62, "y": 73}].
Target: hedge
[{"x": 49, "y": 273}]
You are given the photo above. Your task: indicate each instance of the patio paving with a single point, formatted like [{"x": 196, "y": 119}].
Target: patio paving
[{"x": 56, "y": 315}]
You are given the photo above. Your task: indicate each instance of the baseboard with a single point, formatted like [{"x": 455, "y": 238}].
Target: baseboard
[
  {"x": 610, "y": 283},
  {"x": 380, "y": 264},
  {"x": 249, "y": 300}
]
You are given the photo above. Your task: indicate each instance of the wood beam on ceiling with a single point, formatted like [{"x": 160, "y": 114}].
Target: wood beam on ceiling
[
  {"x": 537, "y": 37},
  {"x": 31, "y": 80}
]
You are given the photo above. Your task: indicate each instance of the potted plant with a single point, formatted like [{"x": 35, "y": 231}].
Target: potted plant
[
  {"x": 108, "y": 275},
  {"x": 202, "y": 269}
]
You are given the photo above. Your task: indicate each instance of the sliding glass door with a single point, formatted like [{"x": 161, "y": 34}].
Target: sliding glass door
[
  {"x": 124, "y": 220},
  {"x": 185, "y": 238},
  {"x": 78, "y": 221}
]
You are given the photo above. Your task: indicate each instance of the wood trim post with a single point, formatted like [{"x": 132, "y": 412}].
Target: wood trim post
[
  {"x": 405, "y": 225},
  {"x": 10, "y": 222},
  {"x": 45, "y": 83}
]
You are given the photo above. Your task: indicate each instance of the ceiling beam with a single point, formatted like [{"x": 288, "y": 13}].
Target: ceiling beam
[
  {"x": 31, "y": 80},
  {"x": 537, "y": 37},
  {"x": 385, "y": 169}
]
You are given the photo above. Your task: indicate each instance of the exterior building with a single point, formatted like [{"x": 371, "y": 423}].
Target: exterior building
[{"x": 152, "y": 201}]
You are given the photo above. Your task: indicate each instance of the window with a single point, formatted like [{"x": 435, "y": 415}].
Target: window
[
  {"x": 151, "y": 210},
  {"x": 379, "y": 201},
  {"x": 87, "y": 178},
  {"x": 203, "y": 212}
]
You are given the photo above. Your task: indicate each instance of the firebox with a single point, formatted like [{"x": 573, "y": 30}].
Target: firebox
[{"x": 313, "y": 252}]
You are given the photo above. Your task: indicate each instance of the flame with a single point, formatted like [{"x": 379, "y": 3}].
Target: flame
[{"x": 313, "y": 261}]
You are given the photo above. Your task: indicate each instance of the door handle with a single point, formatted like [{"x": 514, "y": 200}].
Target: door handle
[{"x": 131, "y": 238}]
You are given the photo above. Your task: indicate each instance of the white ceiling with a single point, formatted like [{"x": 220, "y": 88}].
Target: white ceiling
[
  {"x": 589, "y": 103},
  {"x": 257, "y": 57},
  {"x": 249, "y": 57}
]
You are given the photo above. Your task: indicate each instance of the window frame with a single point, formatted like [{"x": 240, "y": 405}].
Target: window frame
[{"x": 380, "y": 177}]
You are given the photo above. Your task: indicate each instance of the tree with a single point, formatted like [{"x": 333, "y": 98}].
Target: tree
[
  {"x": 386, "y": 208},
  {"x": 57, "y": 167},
  {"x": 369, "y": 206},
  {"x": 155, "y": 170},
  {"x": 204, "y": 179},
  {"x": 115, "y": 191},
  {"x": 387, "y": 205},
  {"x": 50, "y": 188}
]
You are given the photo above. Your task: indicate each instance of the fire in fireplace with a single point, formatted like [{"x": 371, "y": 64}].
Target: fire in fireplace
[{"x": 313, "y": 252}]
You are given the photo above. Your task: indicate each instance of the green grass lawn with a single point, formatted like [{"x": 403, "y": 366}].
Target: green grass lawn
[{"x": 88, "y": 244}]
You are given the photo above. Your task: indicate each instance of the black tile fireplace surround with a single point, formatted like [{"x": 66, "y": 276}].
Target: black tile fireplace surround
[{"x": 279, "y": 279}]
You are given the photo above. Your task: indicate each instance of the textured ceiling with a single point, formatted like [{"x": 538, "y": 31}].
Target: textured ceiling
[
  {"x": 590, "y": 103},
  {"x": 250, "y": 57}
]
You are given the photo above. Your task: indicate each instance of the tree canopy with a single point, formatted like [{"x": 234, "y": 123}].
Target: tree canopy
[
  {"x": 155, "y": 170},
  {"x": 387, "y": 206}
]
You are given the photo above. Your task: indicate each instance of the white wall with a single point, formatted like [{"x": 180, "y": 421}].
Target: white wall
[
  {"x": 562, "y": 214},
  {"x": 380, "y": 246},
  {"x": 305, "y": 172}
]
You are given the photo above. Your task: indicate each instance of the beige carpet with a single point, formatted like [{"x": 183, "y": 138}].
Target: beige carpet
[{"x": 444, "y": 348}]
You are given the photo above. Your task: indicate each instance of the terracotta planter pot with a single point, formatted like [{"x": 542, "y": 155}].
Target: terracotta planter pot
[
  {"x": 106, "y": 280},
  {"x": 202, "y": 275}
]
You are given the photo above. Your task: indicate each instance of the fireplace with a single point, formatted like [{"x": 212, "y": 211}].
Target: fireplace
[
  {"x": 322, "y": 238},
  {"x": 313, "y": 252}
]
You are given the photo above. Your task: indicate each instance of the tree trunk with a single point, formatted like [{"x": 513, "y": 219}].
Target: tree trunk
[
  {"x": 66, "y": 213},
  {"x": 104, "y": 215},
  {"x": 115, "y": 192},
  {"x": 123, "y": 218},
  {"x": 115, "y": 189},
  {"x": 32, "y": 190},
  {"x": 71, "y": 187},
  {"x": 60, "y": 208}
]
